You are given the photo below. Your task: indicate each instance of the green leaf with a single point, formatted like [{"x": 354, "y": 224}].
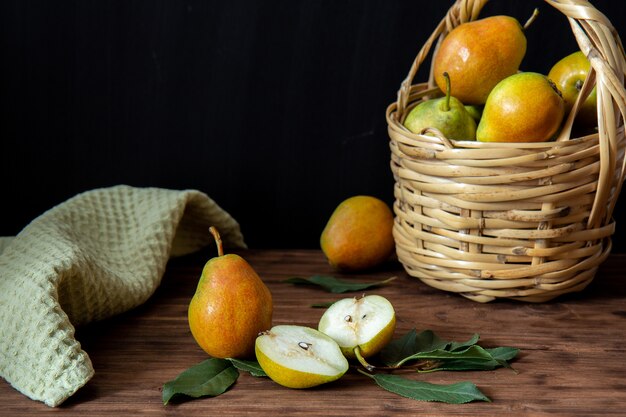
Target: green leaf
[
  {"x": 503, "y": 353},
  {"x": 323, "y": 305},
  {"x": 411, "y": 343},
  {"x": 458, "y": 393},
  {"x": 336, "y": 285},
  {"x": 252, "y": 367},
  {"x": 211, "y": 377},
  {"x": 474, "y": 353},
  {"x": 460, "y": 346}
]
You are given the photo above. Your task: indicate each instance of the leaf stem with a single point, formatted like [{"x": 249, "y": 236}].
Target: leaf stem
[{"x": 361, "y": 359}]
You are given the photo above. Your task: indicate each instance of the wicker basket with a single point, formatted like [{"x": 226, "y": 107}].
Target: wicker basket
[{"x": 526, "y": 221}]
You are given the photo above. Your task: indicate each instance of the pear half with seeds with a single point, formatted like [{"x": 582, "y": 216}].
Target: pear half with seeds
[
  {"x": 299, "y": 356},
  {"x": 361, "y": 327}
]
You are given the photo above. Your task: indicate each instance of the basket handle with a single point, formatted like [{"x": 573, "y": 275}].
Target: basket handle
[{"x": 600, "y": 42}]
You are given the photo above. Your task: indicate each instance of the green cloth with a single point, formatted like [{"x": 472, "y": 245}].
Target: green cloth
[{"x": 96, "y": 255}]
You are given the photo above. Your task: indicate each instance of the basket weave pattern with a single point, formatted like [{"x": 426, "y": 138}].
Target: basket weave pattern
[{"x": 527, "y": 221}]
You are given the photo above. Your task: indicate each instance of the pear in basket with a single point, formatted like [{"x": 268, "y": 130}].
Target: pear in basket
[
  {"x": 525, "y": 107},
  {"x": 447, "y": 114},
  {"x": 569, "y": 75},
  {"x": 479, "y": 54}
]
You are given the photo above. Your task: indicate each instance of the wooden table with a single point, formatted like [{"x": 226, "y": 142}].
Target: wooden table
[{"x": 572, "y": 359}]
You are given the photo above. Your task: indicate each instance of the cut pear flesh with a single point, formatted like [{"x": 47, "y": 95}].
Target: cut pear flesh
[
  {"x": 299, "y": 356},
  {"x": 367, "y": 322}
]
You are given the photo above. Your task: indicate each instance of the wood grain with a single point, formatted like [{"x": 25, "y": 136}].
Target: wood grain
[{"x": 571, "y": 361}]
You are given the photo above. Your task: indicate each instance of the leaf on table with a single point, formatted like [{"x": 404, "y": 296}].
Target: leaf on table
[
  {"x": 457, "y": 393},
  {"x": 410, "y": 344},
  {"x": 336, "y": 285},
  {"x": 211, "y": 377},
  {"x": 323, "y": 305},
  {"x": 438, "y": 354},
  {"x": 252, "y": 367}
]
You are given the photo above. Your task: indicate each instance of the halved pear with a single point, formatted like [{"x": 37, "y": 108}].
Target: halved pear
[
  {"x": 361, "y": 327},
  {"x": 299, "y": 356}
]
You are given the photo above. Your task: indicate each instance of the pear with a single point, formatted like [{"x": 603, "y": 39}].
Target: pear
[
  {"x": 361, "y": 327},
  {"x": 479, "y": 54},
  {"x": 475, "y": 110},
  {"x": 230, "y": 307},
  {"x": 525, "y": 107},
  {"x": 358, "y": 234},
  {"x": 447, "y": 114},
  {"x": 299, "y": 356},
  {"x": 569, "y": 75}
]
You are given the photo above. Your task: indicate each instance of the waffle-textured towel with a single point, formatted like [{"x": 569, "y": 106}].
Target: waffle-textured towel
[{"x": 96, "y": 255}]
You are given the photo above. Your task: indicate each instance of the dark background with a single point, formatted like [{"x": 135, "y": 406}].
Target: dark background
[{"x": 275, "y": 109}]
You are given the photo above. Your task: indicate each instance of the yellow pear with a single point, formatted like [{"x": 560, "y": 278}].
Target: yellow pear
[
  {"x": 299, "y": 357},
  {"x": 525, "y": 107},
  {"x": 230, "y": 307},
  {"x": 478, "y": 55},
  {"x": 569, "y": 75},
  {"x": 358, "y": 234}
]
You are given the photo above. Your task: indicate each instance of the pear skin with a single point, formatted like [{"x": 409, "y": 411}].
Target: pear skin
[
  {"x": 447, "y": 114},
  {"x": 569, "y": 75},
  {"x": 358, "y": 235},
  {"x": 230, "y": 307},
  {"x": 525, "y": 107},
  {"x": 478, "y": 55}
]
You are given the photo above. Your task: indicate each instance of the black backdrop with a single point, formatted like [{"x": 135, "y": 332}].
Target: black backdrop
[{"x": 274, "y": 108}]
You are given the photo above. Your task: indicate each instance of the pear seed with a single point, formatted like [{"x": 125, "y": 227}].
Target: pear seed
[
  {"x": 348, "y": 318},
  {"x": 304, "y": 345}
]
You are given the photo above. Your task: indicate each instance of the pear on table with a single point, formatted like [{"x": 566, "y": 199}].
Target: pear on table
[
  {"x": 230, "y": 307},
  {"x": 360, "y": 326},
  {"x": 299, "y": 356}
]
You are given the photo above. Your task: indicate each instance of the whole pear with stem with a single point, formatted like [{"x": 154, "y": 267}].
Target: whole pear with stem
[
  {"x": 230, "y": 307},
  {"x": 447, "y": 114}
]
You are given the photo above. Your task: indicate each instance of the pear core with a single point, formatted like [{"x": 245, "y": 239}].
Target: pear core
[
  {"x": 367, "y": 322},
  {"x": 299, "y": 356}
]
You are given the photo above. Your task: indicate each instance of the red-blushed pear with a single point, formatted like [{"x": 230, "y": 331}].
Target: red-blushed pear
[
  {"x": 230, "y": 307},
  {"x": 358, "y": 235},
  {"x": 478, "y": 55}
]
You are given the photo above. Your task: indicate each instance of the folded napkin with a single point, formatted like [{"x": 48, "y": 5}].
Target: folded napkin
[{"x": 98, "y": 254}]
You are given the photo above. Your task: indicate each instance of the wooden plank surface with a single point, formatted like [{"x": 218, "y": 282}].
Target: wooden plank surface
[{"x": 571, "y": 361}]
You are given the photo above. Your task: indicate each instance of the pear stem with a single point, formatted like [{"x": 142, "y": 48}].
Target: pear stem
[
  {"x": 362, "y": 361},
  {"x": 531, "y": 19},
  {"x": 446, "y": 106},
  {"x": 218, "y": 240}
]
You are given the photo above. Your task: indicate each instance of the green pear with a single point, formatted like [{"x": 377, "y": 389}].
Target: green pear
[
  {"x": 446, "y": 114},
  {"x": 475, "y": 110}
]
